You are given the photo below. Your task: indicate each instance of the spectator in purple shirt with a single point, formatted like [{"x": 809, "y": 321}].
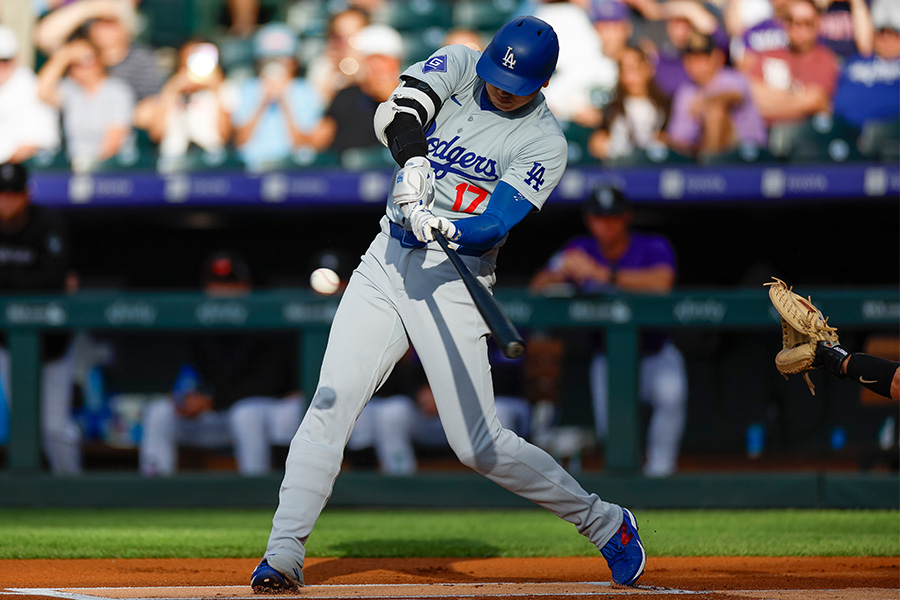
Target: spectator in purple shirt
[
  {"x": 682, "y": 19},
  {"x": 614, "y": 258},
  {"x": 769, "y": 33},
  {"x": 845, "y": 27},
  {"x": 714, "y": 111}
]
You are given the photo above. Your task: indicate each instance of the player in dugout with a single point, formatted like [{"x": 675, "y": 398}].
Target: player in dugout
[{"x": 479, "y": 150}]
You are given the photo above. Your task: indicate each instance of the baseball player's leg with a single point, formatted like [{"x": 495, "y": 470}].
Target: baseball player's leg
[
  {"x": 247, "y": 421},
  {"x": 4, "y": 390},
  {"x": 61, "y": 434},
  {"x": 158, "y": 449},
  {"x": 450, "y": 337},
  {"x": 284, "y": 416},
  {"x": 366, "y": 341},
  {"x": 363, "y": 434},
  {"x": 664, "y": 385},
  {"x": 428, "y": 431},
  {"x": 514, "y": 414},
  {"x": 4, "y": 371},
  {"x": 393, "y": 420},
  {"x": 258, "y": 422},
  {"x": 599, "y": 381}
]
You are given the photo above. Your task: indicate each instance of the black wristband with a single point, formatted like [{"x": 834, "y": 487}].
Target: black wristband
[
  {"x": 873, "y": 372},
  {"x": 830, "y": 357}
]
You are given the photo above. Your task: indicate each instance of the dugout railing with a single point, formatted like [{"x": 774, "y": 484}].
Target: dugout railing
[{"x": 26, "y": 318}]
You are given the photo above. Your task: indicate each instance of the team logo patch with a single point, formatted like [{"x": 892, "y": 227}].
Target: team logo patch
[
  {"x": 436, "y": 63},
  {"x": 536, "y": 176},
  {"x": 509, "y": 61}
]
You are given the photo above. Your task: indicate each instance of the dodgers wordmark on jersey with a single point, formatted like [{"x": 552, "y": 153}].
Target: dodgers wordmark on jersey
[{"x": 472, "y": 145}]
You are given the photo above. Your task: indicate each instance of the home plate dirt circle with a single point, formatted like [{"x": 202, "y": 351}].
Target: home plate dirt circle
[{"x": 666, "y": 578}]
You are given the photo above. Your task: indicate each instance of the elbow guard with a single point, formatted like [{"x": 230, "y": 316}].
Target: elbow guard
[{"x": 399, "y": 121}]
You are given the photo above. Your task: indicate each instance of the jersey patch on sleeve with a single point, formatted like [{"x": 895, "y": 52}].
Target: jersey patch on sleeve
[
  {"x": 535, "y": 177},
  {"x": 436, "y": 63}
]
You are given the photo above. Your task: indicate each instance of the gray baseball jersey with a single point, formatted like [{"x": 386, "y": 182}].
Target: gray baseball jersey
[
  {"x": 402, "y": 295},
  {"x": 472, "y": 147}
]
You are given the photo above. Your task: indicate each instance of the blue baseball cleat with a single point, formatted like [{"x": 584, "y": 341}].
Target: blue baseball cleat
[
  {"x": 624, "y": 552},
  {"x": 266, "y": 580}
]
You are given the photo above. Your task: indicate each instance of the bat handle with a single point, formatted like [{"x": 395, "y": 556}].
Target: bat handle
[
  {"x": 440, "y": 239},
  {"x": 514, "y": 349}
]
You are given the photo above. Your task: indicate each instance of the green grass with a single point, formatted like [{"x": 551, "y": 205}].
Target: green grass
[{"x": 134, "y": 533}]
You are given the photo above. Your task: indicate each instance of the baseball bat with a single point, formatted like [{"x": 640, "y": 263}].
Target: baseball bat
[{"x": 504, "y": 332}]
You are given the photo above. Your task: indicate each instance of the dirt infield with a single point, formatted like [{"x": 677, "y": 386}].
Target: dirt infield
[{"x": 733, "y": 578}]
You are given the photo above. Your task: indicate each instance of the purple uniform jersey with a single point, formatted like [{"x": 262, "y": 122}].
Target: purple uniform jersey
[{"x": 645, "y": 250}]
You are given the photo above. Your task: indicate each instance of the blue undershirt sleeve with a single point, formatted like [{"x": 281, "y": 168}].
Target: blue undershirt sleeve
[{"x": 506, "y": 208}]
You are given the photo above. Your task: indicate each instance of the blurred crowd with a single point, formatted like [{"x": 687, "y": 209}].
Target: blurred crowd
[{"x": 258, "y": 85}]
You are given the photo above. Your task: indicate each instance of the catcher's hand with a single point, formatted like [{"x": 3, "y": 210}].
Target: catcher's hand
[{"x": 804, "y": 330}]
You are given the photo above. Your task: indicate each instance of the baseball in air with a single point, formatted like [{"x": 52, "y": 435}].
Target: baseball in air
[{"x": 324, "y": 281}]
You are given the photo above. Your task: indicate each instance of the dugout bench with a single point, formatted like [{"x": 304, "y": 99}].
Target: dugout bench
[{"x": 621, "y": 315}]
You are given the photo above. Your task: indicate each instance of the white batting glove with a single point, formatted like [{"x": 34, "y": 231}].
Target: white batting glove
[
  {"x": 442, "y": 224},
  {"x": 414, "y": 185},
  {"x": 424, "y": 223}
]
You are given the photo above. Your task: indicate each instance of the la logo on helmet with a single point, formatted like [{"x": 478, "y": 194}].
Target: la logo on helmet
[{"x": 509, "y": 61}]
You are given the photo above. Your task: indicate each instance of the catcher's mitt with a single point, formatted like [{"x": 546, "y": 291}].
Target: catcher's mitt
[{"x": 803, "y": 329}]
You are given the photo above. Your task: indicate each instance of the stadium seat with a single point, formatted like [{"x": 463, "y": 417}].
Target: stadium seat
[
  {"x": 298, "y": 161},
  {"x": 49, "y": 160},
  {"x": 655, "y": 156},
  {"x": 418, "y": 45},
  {"x": 129, "y": 159},
  {"x": 196, "y": 160},
  {"x": 309, "y": 18},
  {"x": 880, "y": 140},
  {"x": 577, "y": 139},
  {"x": 318, "y": 160},
  {"x": 743, "y": 154},
  {"x": 375, "y": 157},
  {"x": 414, "y": 15},
  {"x": 169, "y": 22},
  {"x": 483, "y": 15},
  {"x": 206, "y": 16},
  {"x": 821, "y": 138}
]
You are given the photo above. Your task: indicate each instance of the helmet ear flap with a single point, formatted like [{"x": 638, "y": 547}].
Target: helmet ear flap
[{"x": 521, "y": 57}]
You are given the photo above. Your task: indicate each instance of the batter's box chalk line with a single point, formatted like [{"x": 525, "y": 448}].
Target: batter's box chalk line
[{"x": 418, "y": 591}]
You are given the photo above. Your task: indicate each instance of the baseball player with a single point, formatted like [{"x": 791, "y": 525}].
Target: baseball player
[
  {"x": 35, "y": 255},
  {"x": 480, "y": 150}
]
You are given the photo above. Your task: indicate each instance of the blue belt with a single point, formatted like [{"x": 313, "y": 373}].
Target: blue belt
[{"x": 408, "y": 239}]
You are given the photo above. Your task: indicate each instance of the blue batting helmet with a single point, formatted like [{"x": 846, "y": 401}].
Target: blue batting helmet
[{"x": 521, "y": 57}]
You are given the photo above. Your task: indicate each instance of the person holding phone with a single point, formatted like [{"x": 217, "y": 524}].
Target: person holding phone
[
  {"x": 191, "y": 110},
  {"x": 276, "y": 107}
]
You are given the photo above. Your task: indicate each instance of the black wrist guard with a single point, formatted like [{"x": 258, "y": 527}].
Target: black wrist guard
[{"x": 830, "y": 357}]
